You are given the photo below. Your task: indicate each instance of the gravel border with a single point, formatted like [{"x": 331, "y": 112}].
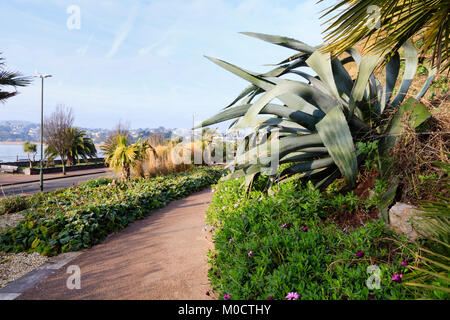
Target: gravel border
[{"x": 15, "y": 265}]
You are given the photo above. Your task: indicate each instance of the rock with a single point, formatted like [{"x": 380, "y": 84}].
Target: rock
[{"x": 400, "y": 217}]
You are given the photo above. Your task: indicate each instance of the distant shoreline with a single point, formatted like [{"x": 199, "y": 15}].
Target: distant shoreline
[{"x": 15, "y": 143}]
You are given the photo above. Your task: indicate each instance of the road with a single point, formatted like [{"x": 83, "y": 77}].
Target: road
[{"x": 49, "y": 185}]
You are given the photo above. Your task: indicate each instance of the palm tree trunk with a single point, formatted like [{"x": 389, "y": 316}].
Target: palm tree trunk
[{"x": 29, "y": 160}]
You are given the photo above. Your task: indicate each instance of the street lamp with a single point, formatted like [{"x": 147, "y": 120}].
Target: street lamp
[{"x": 41, "y": 173}]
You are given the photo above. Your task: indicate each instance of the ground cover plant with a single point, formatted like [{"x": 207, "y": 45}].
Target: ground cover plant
[
  {"x": 77, "y": 218},
  {"x": 289, "y": 246}
]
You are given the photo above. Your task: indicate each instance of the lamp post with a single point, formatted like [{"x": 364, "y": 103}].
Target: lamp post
[{"x": 41, "y": 173}]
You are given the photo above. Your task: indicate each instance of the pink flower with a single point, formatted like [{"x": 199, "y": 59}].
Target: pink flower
[
  {"x": 283, "y": 226},
  {"x": 397, "y": 277},
  {"x": 231, "y": 240},
  {"x": 270, "y": 298},
  {"x": 292, "y": 296},
  {"x": 227, "y": 296},
  {"x": 250, "y": 253},
  {"x": 360, "y": 254},
  {"x": 405, "y": 263},
  {"x": 305, "y": 229}
]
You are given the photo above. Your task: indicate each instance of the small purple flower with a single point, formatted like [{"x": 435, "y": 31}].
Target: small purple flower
[
  {"x": 218, "y": 276},
  {"x": 231, "y": 240},
  {"x": 397, "y": 277},
  {"x": 207, "y": 293},
  {"x": 215, "y": 273},
  {"x": 244, "y": 216},
  {"x": 292, "y": 296},
  {"x": 405, "y": 263},
  {"x": 211, "y": 269},
  {"x": 270, "y": 298},
  {"x": 283, "y": 226},
  {"x": 371, "y": 296},
  {"x": 250, "y": 253},
  {"x": 227, "y": 296},
  {"x": 344, "y": 298},
  {"x": 220, "y": 221},
  {"x": 305, "y": 229},
  {"x": 360, "y": 254}
]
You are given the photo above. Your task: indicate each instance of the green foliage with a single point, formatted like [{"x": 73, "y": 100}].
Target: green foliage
[
  {"x": 80, "y": 217},
  {"x": 319, "y": 262},
  {"x": 97, "y": 182},
  {"x": 315, "y": 127},
  {"x": 13, "y": 204},
  {"x": 370, "y": 151}
]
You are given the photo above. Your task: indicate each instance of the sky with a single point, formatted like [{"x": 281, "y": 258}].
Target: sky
[{"x": 142, "y": 61}]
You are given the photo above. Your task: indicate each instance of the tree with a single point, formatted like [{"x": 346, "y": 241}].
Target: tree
[
  {"x": 125, "y": 156},
  {"x": 10, "y": 79},
  {"x": 30, "y": 148},
  {"x": 81, "y": 147},
  {"x": 57, "y": 133},
  {"x": 385, "y": 25}
]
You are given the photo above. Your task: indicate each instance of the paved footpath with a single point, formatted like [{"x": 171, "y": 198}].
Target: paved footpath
[{"x": 160, "y": 257}]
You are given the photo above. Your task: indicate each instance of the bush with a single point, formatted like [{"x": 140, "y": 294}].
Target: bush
[
  {"x": 267, "y": 247},
  {"x": 80, "y": 217},
  {"x": 13, "y": 204}
]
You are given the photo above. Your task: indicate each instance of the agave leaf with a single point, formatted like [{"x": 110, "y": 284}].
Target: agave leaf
[
  {"x": 431, "y": 75},
  {"x": 308, "y": 166},
  {"x": 243, "y": 94},
  {"x": 299, "y": 117},
  {"x": 342, "y": 79},
  {"x": 325, "y": 182},
  {"x": 419, "y": 113},
  {"x": 282, "y": 41},
  {"x": 392, "y": 70},
  {"x": 321, "y": 64},
  {"x": 292, "y": 100},
  {"x": 366, "y": 67},
  {"x": 293, "y": 88},
  {"x": 283, "y": 146},
  {"x": 410, "y": 70},
  {"x": 260, "y": 83},
  {"x": 337, "y": 138}
]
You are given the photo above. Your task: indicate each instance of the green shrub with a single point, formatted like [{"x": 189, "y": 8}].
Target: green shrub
[
  {"x": 97, "y": 182},
  {"x": 268, "y": 246},
  {"x": 13, "y": 204},
  {"x": 80, "y": 217}
]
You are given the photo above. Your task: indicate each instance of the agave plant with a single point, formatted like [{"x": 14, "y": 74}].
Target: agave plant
[{"x": 321, "y": 117}]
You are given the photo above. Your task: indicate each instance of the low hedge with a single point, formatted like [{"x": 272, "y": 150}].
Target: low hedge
[
  {"x": 80, "y": 217},
  {"x": 285, "y": 246}
]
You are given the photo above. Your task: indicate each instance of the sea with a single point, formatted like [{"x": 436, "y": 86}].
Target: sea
[{"x": 14, "y": 152}]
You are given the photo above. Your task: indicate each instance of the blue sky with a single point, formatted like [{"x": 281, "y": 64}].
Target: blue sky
[{"x": 142, "y": 61}]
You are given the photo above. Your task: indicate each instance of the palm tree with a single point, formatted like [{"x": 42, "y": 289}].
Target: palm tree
[
  {"x": 10, "y": 79},
  {"x": 30, "y": 148},
  {"x": 123, "y": 156},
  {"x": 385, "y": 25},
  {"x": 81, "y": 147}
]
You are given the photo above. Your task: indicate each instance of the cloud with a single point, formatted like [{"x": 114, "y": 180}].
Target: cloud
[{"x": 123, "y": 32}]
